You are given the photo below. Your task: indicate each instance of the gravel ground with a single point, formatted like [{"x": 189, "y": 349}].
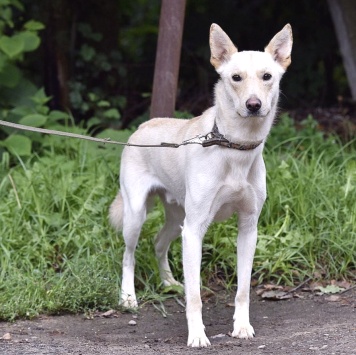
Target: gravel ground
[{"x": 304, "y": 325}]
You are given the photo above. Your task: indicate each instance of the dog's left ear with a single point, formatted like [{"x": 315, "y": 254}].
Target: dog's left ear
[
  {"x": 280, "y": 47},
  {"x": 221, "y": 46}
]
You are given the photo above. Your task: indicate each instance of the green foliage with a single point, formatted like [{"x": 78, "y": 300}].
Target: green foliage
[
  {"x": 14, "y": 43},
  {"x": 114, "y": 63},
  {"x": 20, "y": 100},
  {"x": 311, "y": 184},
  {"x": 36, "y": 113},
  {"x": 307, "y": 223},
  {"x": 59, "y": 254},
  {"x": 18, "y": 145},
  {"x": 93, "y": 88},
  {"x": 316, "y": 75},
  {"x": 106, "y": 55},
  {"x": 53, "y": 230}
]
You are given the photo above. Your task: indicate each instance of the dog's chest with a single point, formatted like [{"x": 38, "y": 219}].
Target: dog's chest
[
  {"x": 232, "y": 190},
  {"x": 229, "y": 195}
]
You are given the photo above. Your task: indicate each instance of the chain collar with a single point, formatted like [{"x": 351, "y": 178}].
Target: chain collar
[{"x": 216, "y": 138}]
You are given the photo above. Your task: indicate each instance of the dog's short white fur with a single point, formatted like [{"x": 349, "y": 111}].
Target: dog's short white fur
[{"x": 199, "y": 185}]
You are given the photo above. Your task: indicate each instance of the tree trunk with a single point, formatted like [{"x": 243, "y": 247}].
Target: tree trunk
[
  {"x": 343, "y": 13},
  {"x": 56, "y": 65},
  {"x": 165, "y": 80}
]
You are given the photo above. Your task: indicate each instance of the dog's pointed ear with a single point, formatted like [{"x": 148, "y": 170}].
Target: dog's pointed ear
[
  {"x": 221, "y": 46},
  {"x": 280, "y": 47}
]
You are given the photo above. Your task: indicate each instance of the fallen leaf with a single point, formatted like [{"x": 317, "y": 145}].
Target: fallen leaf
[
  {"x": 314, "y": 286},
  {"x": 343, "y": 284},
  {"x": 206, "y": 294},
  {"x": 333, "y": 298},
  {"x": 259, "y": 291},
  {"x": 6, "y": 336},
  {"x": 89, "y": 315},
  {"x": 217, "y": 336},
  {"x": 109, "y": 313},
  {"x": 276, "y": 295},
  {"x": 331, "y": 289}
]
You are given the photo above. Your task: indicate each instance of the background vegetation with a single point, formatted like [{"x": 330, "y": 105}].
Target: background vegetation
[
  {"x": 85, "y": 67},
  {"x": 97, "y": 60},
  {"x": 59, "y": 254}
]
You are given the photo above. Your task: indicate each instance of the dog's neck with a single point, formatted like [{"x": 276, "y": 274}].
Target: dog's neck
[
  {"x": 216, "y": 138},
  {"x": 236, "y": 128}
]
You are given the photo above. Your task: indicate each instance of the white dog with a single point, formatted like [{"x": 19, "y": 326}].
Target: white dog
[{"x": 206, "y": 182}]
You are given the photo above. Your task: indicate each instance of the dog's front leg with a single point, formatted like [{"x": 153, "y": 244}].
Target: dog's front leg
[
  {"x": 193, "y": 234},
  {"x": 246, "y": 245}
]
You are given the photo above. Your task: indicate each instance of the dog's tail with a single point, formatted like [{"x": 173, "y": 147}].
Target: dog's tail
[{"x": 116, "y": 212}]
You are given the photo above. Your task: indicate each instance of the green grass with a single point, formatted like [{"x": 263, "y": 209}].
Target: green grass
[{"x": 58, "y": 253}]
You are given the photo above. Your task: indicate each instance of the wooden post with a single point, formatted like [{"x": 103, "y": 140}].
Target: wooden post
[
  {"x": 343, "y": 13},
  {"x": 169, "y": 45}
]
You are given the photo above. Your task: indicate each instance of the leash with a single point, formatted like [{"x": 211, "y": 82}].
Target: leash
[{"x": 205, "y": 140}]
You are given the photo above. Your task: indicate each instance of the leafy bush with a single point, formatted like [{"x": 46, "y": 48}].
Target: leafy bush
[
  {"x": 96, "y": 78},
  {"x": 20, "y": 100},
  {"x": 53, "y": 228}
]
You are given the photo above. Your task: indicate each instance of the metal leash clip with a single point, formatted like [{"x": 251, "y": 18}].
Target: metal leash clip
[{"x": 199, "y": 139}]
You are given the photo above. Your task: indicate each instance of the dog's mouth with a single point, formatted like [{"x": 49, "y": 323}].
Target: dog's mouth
[{"x": 257, "y": 114}]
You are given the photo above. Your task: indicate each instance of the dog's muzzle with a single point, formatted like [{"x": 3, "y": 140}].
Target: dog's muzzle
[{"x": 253, "y": 105}]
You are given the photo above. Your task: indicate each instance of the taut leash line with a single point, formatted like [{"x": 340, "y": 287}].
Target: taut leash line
[
  {"x": 205, "y": 140},
  {"x": 67, "y": 134}
]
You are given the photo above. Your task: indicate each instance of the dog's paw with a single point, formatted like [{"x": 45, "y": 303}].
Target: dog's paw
[
  {"x": 128, "y": 301},
  {"x": 243, "y": 331},
  {"x": 171, "y": 282},
  {"x": 196, "y": 340}
]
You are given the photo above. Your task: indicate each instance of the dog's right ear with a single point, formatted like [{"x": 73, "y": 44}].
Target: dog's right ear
[{"x": 221, "y": 46}]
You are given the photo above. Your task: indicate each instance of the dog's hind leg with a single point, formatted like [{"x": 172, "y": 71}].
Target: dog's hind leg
[
  {"x": 133, "y": 219},
  {"x": 170, "y": 231}
]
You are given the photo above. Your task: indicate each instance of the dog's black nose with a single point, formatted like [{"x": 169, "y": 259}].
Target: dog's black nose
[{"x": 253, "y": 104}]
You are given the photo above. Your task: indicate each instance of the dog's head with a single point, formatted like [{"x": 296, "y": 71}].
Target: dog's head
[{"x": 251, "y": 78}]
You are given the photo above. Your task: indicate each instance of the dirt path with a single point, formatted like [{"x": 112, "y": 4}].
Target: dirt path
[{"x": 295, "y": 326}]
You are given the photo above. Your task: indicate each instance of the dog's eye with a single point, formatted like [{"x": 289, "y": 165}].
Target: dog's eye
[
  {"x": 267, "y": 76},
  {"x": 236, "y": 77}
]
